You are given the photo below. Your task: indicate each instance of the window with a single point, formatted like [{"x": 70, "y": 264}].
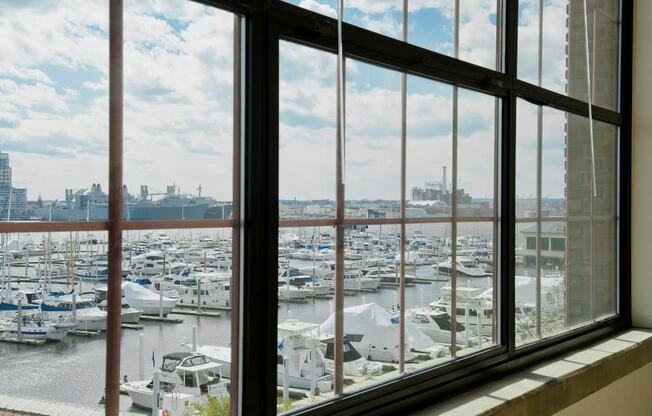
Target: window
[{"x": 391, "y": 193}]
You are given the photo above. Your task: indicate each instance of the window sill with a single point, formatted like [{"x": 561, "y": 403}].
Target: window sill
[{"x": 556, "y": 384}]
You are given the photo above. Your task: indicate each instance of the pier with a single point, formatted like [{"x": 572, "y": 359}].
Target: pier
[{"x": 14, "y": 406}]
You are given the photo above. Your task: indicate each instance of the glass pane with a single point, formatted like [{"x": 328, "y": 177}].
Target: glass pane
[
  {"x": 307, "y": 132},
  {"x": 178, "y": 89},
  {"x": 476, "y": 285},
  {"x": 54, "y": 277},
  {"x": 476, "y": 154},
  {"x": 177, "y": 282},
  {"x": 577, "y": 263},
  {"x": 526, "y": 282},
  {"x": 373, "y": 141},
  {"x": 306, "y": 267},
  {"x": 371, "y": 315},
  {"x": 563, "y": 52},
  {"x": 54, "y": 111},
  {"x": 431, "y": 24},
  {"x": 526, "y": 159},
  {"x": 429, "y": 152}
]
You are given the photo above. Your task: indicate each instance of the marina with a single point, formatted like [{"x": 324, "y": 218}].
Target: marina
[{"x": 176, "y": 281}]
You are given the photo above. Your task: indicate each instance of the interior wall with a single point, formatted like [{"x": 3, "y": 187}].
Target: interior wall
[
  {"x": 642, "y": 167},
  {"x": 629, "y": 395}
]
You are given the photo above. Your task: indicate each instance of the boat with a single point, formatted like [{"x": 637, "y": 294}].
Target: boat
[
  {"x": 463, "y": 269},
  {"x": 301, "y": 280},
  {"x": 146, "y": 301},
  {"x": 299, "y": 355},
  {"x": 128, "y": 315},
  {"x": 376, "y": 332},
  {"x": 185, "y": 379},
  {"x": 33, "y": 326},
  {"x": 93, "y": 274},
  {"x": 82, "y": 310},
  {"x": 471, "y": 302},
  {"x": 437, "y": 325},
  {"x": 354, "y": 364},
  {"x": 93, "y": 205}
]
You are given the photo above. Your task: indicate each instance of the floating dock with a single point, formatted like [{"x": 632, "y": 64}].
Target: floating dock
[
  {"x": 153, "y": 318},
  {"x": 24, "y": 341},
  {"x": 25, "y": 406}
]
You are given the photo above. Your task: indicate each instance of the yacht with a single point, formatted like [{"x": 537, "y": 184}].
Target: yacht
[
  {"x": 354, "y": 363},
  {"x": 463, "y": 269},
  {"x": 33, "y": 326},
  {"x": 299, "y": 353},
  {"x": 301, "y": 280},
  {"x": 83, "y": 310},
  {"x": 470, "y": 300},
  {"x": 185, "y": 379},
  {"x": 437, "y": 325},
  {"x": 146, "y": 301}
]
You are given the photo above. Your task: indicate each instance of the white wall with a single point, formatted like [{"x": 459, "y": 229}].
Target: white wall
[
  {"x": 628, "y": 396},
  {"x": 642, "y": 167}
]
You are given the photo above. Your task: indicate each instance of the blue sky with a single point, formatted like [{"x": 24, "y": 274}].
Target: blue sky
[{"x": 178, "y": 97}]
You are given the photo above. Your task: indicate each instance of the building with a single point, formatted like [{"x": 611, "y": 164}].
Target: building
[
  {"x": 553, "y": 246},
  {"x": 8, "y": 194}
]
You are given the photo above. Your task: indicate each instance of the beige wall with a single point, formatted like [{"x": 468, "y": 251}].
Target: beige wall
[
  {"x": 628, "y": 396},
  {"x": 642, "y": 167}
]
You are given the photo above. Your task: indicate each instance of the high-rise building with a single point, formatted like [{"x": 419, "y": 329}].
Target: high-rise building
[{"x": 17, "y": 196}]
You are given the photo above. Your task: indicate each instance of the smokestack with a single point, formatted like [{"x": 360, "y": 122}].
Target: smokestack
[{"x": 443, "y": 182}]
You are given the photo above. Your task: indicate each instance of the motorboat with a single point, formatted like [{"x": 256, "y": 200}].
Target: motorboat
[
  {"x": 462, "y": 269},
  {"x": 470, "y": 303},
  {"x": 83, "y": 310},
  {"x": 299, "y": 355},
  {"x": 32, "y": 325},
  {"x": 354, "y": 364},
  {"x": 185, "y": 379},
  {"x": 128, "y": 315},
  {"x": 146, "y": 301},
  {"x": 375, "y": 333},
  {"x": 301, "y": 280},
  {"x": 437, "y": 325}
]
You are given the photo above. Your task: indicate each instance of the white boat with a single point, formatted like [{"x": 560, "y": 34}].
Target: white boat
[
  {"x": 354, "y": 363},
  {"x": 375, "y": 333},
  {"x": 289, "y": 292},
  {"x": 463, "y": 269},
  {"x": 471, "y": 302},
  {"x": 185, "y": 379},
  {"x": 146, "y": 301},
  {"x": 33, "y": 326},
  {"x": 83, "y": 310},
  {"x": 301, "y": 280},
  {"x": 128, "y": 315},
  {"x": 298, "y": 352},
  {"x": 437, "y": 325}
]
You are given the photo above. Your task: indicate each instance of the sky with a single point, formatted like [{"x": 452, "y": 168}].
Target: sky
[{"x": 178, "y": 99}]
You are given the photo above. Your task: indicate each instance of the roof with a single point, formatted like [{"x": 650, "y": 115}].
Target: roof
[
  {"x": 178, "y": 355},
  {"x": 547, "y": 228}
]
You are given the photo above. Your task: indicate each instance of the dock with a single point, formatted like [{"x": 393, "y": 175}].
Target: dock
[
  {"x": 37, "y": 407},
  {"x": 24, "y": 341},
  {"x": 82, "y": 333},
  {"x": 131, "y": 326},
  {"x": 195, "y": 312},
  {"x": 153, "y": 318}
]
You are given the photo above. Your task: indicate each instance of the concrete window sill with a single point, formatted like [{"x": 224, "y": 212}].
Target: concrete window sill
[{"x": 556, "y": 384}]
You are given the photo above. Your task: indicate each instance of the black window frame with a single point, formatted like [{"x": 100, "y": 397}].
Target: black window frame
[
  {"x": 268, "y": 22},
  {"x": 264, "y": 24}
]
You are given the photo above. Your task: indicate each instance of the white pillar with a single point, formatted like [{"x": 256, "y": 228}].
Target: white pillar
[
  {"x": 286, "y": 381},
  {"x": 19, "y": 322},
  {"x": 195, "y": 342},
  {"x": 141, "y": 363},
  {"x": 199, "y": 294},
  {"x": 466, "y": 325},
  {"x": 156, "y": 389}
]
